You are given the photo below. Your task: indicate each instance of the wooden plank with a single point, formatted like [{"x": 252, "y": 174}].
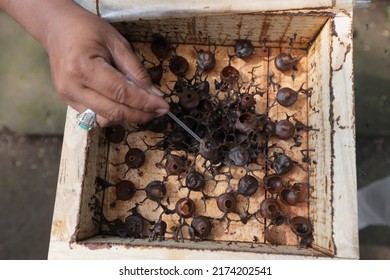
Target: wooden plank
[
  {"x": 96, "y": 165},
  {"x": 114, "y": 248},
  {"x": 321, "y": 210},
  {"x": 118, "y": 10},
  {"x": 223, "y": 30},
  {"x": 344, "y": 179},
  {"x": 76, "y": 176},
  {"x": 334, "y": 178}
]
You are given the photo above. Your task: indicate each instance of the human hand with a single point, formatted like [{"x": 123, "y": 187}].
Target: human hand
[{"x": 92, "y": 65}]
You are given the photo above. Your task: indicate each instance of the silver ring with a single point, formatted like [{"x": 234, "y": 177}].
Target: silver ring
[{"x": 87, "y": 119}]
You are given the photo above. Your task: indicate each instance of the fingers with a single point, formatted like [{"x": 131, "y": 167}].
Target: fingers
[
  {"x": 106, "y": 80},
  {"x": 108, "y": 112},
  {"x": 128, "y": 64},
  {"x": 85, "y": 79}
]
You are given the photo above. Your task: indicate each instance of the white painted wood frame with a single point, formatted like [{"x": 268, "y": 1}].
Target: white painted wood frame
[{"x": 333, "y": 207}]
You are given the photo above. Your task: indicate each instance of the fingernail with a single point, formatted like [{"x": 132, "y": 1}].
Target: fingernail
[
  {"x": 162, "y": 111},
  {"x": 156, "y": 91}
]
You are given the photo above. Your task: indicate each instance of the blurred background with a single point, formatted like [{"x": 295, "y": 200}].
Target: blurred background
[{"x": 32, "y": 121}]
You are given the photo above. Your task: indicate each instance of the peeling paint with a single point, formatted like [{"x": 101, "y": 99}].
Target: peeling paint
[
  {"x": 348, "y": 50},
  {"x": 339, "y": 125}
]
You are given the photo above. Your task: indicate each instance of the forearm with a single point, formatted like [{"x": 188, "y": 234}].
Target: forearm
[{"x": 39, "y": 18}]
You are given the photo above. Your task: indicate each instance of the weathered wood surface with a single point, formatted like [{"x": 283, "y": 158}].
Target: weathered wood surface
[
  {"x": 344, "y": 200},
  {"x": 321, "y": 141},
  {"x": 75, "y": 180},
  {"x": 111, "y": 248},
  {"x": 224, "y": 21},
  {"x": 277, "y": 29},
  {"x": 335, "y": 219},
  {"x": 119, "y": 10}
]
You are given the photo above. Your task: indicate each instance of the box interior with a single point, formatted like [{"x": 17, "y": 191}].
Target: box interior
[{"x": 313, "y": 46}]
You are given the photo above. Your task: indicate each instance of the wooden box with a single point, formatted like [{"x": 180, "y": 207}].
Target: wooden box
[{"x": 324, "y": 41}]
